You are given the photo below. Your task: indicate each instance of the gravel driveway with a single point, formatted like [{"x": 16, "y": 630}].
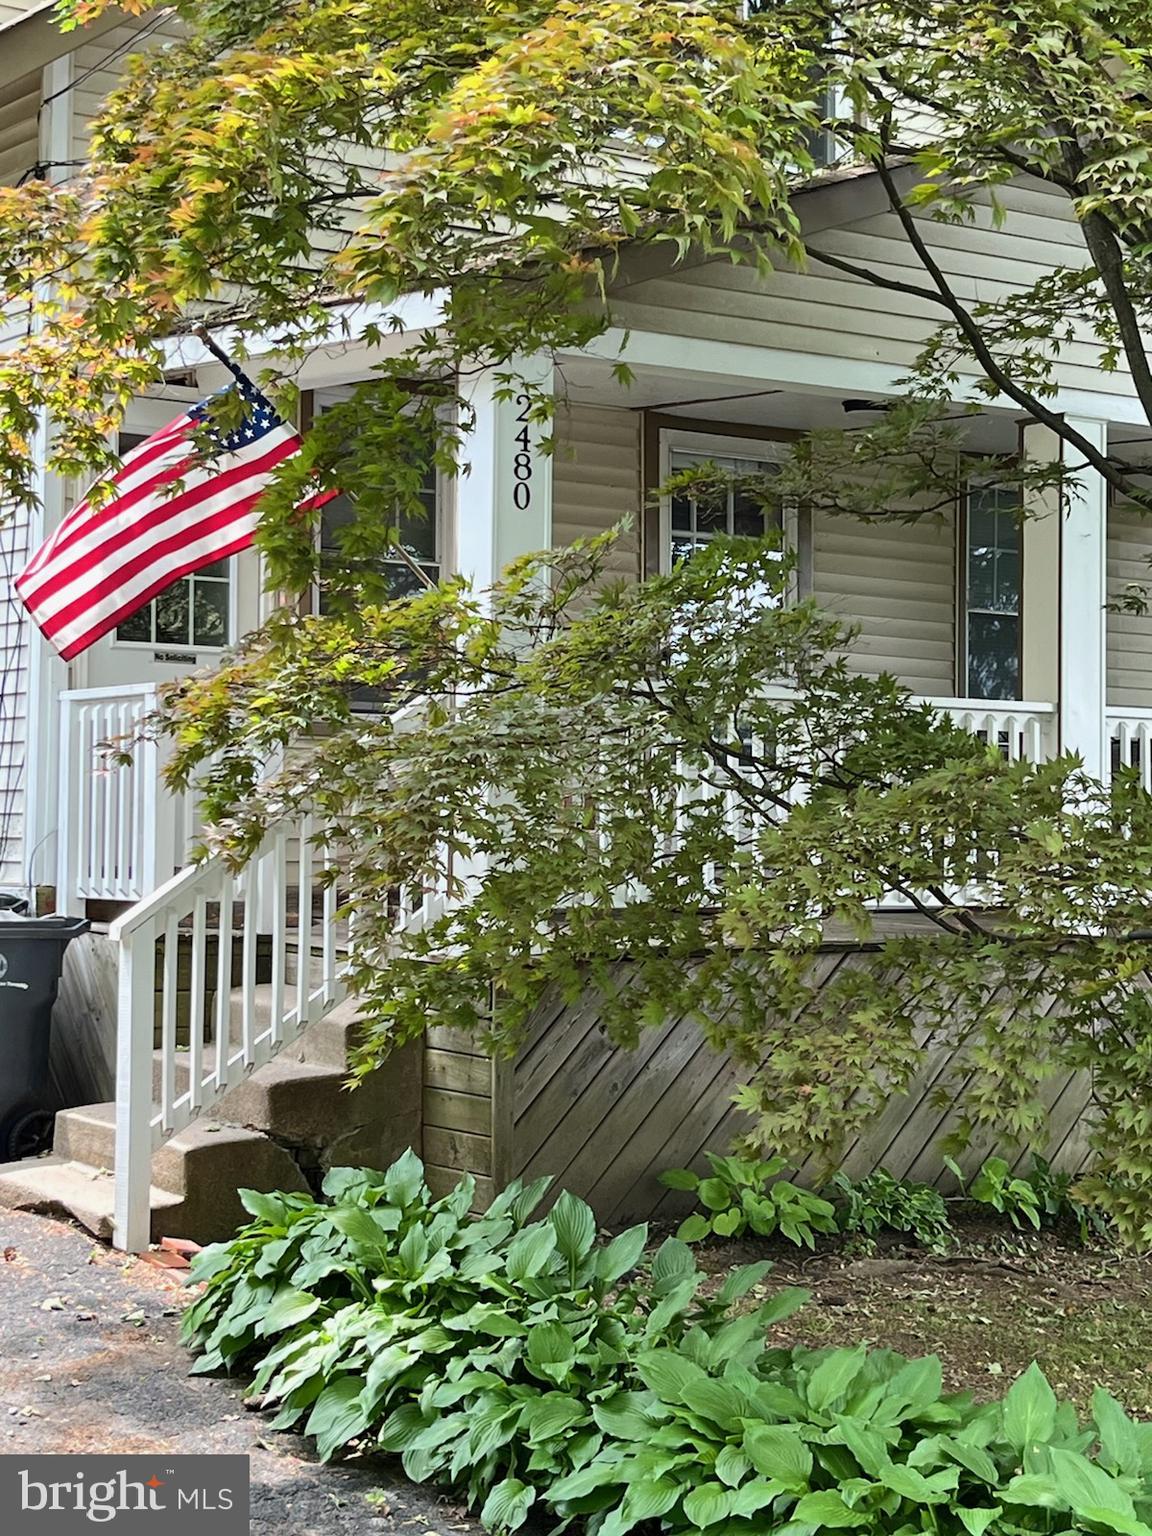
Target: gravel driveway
[{"x": 90, "y": 1361}]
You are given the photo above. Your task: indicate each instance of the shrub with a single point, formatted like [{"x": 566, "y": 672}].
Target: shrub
[
  {"x": 744, "y": 1196},
  {"x": 495, "y": 1353},
  {"x": 520, "y": 1362},
  {"x": 882, "y": 1203}
]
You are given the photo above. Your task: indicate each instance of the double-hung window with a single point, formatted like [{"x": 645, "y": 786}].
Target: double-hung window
[
  {"x": 419, "y": 534},
  {"x": 991, "y": 590},
  {"x": 692, "y": 518}
]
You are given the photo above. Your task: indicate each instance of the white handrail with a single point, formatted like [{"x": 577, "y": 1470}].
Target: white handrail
[{"x": 265, "y": 955}]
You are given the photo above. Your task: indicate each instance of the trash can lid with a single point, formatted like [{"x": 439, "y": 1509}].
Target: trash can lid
[{"x": 54, "y": 926}]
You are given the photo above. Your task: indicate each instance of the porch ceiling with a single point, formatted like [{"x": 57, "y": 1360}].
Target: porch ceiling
[
  {"x": 739, "y": 400},
  {"x": 736, "y": 399}
]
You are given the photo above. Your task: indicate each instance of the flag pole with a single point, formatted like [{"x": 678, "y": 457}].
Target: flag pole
[{"x": 218, "y": 353}]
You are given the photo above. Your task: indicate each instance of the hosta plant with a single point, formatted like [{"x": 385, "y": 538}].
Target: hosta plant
[
  {"x": 495, "y": 1353},
  {"x": 539, "y": 1372},
  {"x": 742, "y": 1196},
  {"x": 883, "y": 1203}
]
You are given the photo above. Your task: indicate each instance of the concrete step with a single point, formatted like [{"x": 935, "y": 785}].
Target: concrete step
[
  {"x": 87, "y": 1135},
  {"x": 330, "y": 1042},
  {"x": 293, "y": 1113},
  {"x": 51, "y": 1186},
  {"x": 195, "y": 1175}
]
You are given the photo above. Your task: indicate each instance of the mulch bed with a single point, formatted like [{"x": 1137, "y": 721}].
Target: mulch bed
[{"x": 989, "y": 1308}]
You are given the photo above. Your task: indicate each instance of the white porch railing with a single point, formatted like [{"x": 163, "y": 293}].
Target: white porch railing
[
  {"x": 1130, "y": 741},
  {"x": 120, "y": 834},
  {"x": 1021, "y": 731},
  {"x": 219, "y": 970}
]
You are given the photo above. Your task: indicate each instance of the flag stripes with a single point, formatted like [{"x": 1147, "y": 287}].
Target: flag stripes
[{"x": 173, "y": 509}]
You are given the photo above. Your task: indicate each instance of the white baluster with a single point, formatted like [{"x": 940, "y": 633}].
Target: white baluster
[
  {"x": 169, "y": 987},
  {"x": 197, "y": 982},
  {"x": 224, "y": 986},
  {"x": 248, "y": 891},
  {"x": 304, "y": 924},
  {"x": 278, "y": 879}
]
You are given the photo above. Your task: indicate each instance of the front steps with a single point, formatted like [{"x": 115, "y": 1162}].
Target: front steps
[{"x": 280, "y": 1128}]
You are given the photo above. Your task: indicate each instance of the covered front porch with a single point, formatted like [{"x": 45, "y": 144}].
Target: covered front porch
[
  {"x": 971, "y": 594},
  {"x": 1006, "y": 619}
]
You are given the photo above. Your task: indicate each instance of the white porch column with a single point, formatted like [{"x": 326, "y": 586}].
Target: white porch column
[
  {"x": 1064, "y": 592},
  {"x": 47, "y": 674},
  {"x": 504, "y": 492}
]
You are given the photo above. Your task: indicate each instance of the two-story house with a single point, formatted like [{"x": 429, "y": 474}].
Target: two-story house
[{"x": 1002, "y": 623}]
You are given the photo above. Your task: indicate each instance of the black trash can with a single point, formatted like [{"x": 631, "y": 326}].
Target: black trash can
[{"x": 31, "y": 961}]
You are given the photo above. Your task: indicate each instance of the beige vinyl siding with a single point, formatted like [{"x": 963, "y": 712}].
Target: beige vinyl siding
[
  {"x": 19, "y": 131},
  {"x": 820, "y": 310},
  {"x": 596, "y": 480},
  {"x": 98, "y": 68},
  {"x": 13, "y": 701},
  {"x": 896, "y": 583},
  {"x": 1129, "y": 635}
]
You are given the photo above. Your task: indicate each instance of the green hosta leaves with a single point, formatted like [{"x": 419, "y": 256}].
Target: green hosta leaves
[
  {"x": 732, "y": 1466},
  {"x": 551, "y": 1351},
  {"x": 780, "y": 1454},
  {"x": 834, "y": 1375},
  {"x": 1029, "y": 1410},
  {"x": 680, "y": 1178},
  {"x": 575, "y": 1228},
  {"x": 828, "y": 1511},
  {"x": 287, "y": 1308},
  {"x": 622, "y": 1254},
  {"x": 628, "y": 1415},
  {"x": 672, "y": 1266},
  {"x": 530, "y": 1252},
  {"x": 1090, "y": 1492},
  {"x": 745, "y": 1195},
  {"x": 707, "y": 1504},
  {"x": 404, "y": 1181},
  {"x": 272, "y": 1209},
  {"x": 509, "y": 1361},
  {"x": 669, "y": 1375},
  {"x": 551, "y": 1416},
  {"x": 338, "y": 1415},
  {"x": 693, "y": 1228},
  {"x": 741, "y": 1281},
  {"x": 1124, "y": 1446},
  {"x": 977, "y": 1521},
  {"x": 506, "y": 1507}
]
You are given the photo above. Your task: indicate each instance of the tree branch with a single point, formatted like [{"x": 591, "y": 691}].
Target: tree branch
[{"x": 973, "y": 335}]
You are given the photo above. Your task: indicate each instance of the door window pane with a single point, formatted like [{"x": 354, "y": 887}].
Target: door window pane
[
  {"x": 993, "y": 593},
  {"x": 193, "y": 612}
]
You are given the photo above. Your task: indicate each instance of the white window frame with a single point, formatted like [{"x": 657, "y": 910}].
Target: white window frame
[
  {"x": 445, "y": 504},
  {"x": 144, "y": 416},
  {"x": 758, "y": 450},
  {"x": 970, "y": 484}
]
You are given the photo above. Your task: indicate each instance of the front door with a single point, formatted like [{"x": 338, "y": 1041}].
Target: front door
[
  {"x": 190, "y": 625},
  {"x": 185, "y": 628}
]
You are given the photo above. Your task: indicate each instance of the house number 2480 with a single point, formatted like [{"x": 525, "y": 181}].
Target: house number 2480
[{"x": 522, "y": 463}]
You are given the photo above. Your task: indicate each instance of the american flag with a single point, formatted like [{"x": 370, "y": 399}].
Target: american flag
[{"x": 175, "y": 507}]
